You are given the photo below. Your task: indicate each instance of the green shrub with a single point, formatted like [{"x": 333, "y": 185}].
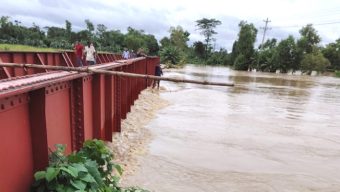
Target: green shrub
[
  {"x": 337, "y": 73},
  {"x": 170, "y": 55},
  {"x": 91, "y": 169}
]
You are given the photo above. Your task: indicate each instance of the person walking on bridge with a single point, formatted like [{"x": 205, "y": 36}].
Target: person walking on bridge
[
  {"x": 90, "y": 54},
  {"x": 158, "y": 72},
  {"x": 78, "y": 49}
]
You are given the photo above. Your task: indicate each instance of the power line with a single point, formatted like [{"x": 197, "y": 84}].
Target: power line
[{"x": 317, "y": 24}]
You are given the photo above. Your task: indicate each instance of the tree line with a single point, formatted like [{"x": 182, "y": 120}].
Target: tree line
[
  {"x": 289, "y": 54},
  {"x": 64, "y": 37},
  {"x": 303, "y": 53}
]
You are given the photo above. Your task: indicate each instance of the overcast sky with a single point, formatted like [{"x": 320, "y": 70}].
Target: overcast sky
[{"x": 156, "y": 16}]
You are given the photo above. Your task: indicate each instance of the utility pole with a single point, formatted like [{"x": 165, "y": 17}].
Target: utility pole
[{"x": 265, "y": 28}]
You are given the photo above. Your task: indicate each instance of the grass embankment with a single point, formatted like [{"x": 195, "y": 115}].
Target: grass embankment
[
  {"x": 15, "y": 47},
  {"x": 12, "y": 47}
]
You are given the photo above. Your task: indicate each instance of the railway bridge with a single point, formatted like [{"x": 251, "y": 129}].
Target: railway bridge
[{"x": 40, "y": 108}]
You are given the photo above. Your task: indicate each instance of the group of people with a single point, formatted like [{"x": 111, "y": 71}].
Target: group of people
[
  {"x": 132, "y": 54},
  {"x": 88, "y": 52}
]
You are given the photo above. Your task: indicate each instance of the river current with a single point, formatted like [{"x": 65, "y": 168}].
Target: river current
[{"x": 271, "y": 132}]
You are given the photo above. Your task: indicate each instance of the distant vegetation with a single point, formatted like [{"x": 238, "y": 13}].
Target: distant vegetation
[{"x": 289, "y": 54}]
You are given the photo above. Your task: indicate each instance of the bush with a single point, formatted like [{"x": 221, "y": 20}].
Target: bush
[
  {"x": 170, "y": 55},
  {"x": 90, "y": 169},
  {"x": 314, "y": 61},
  {"x": 337, "y": 73},
  {"x": 240, "y": 63}
]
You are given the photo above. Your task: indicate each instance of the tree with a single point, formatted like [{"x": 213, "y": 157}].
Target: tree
[
  {"x": 101, "y": 28},
  {"x": 170, "y": 55},
  {"x": 244, "y": 46},
  {"x": 286, "y": 55},
  {"x": 151, "y": 44},
  {"x": 68, "y": 27},
  {"x": 165, "y": 42},
  {"x": 179, "y": 37},
  {"x": 332, "y": 53},
  {"x": 207, "y": 27},
  {"x": 89, "y": 25},
  {"x": 199, "y": 49},
  {"x": 309, "y": 39},
  {"x": 266, "y": 56},
  {"x": 314, "y": 61}
]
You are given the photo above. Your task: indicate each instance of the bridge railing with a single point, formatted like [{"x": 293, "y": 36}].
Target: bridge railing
[{"x": 39, "y": 109}]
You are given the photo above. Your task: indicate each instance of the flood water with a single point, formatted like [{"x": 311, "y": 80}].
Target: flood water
[{"x": 271, "y": 132}]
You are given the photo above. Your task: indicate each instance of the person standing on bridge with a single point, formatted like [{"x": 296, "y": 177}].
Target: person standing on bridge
[
  {"x": 78, "y": 48},
  {"x": 90, "y": 54},
  {"x": 126, "y": 54},
  {"x": 158, "y": 72}
]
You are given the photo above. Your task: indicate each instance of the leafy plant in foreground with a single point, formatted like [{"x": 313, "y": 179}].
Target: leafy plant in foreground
[{"x": 90, "y": 170}]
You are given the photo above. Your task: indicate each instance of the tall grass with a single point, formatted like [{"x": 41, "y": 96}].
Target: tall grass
[{"x": 12, "y": 47}]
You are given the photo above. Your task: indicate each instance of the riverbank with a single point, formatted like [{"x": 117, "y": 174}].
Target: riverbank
[{"x": 132, "y": 141}]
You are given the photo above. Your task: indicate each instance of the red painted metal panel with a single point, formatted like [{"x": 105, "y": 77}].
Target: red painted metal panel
[
  {"x": 38, "y": 128},
  {"x": 58, "y": 115},
  {"x": 29, "y": 58},
  {"x": 123, "y": 94},
  {"x": 98, "y": 106},
  {"x": 88, "y": 113},
  {"x": 77, "y": 111},
  {"x": 109, "y": 110},
  {"x": 128, "y": 87},
  {"x": 18, "y": 58},
  {"x": 117, "y": 104},
  {"x": 15, "y": 150}
]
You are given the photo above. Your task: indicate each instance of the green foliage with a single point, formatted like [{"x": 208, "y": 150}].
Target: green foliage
[
  {"x": 170, "y": 55},
  {"x": 179, "y": 38},
  {"x": 64, "y": 38},
  {"x": 199, "y": 49},
  {"x": 286, "y": 55},
  {"x": 10, "y": 47},
  {"x": 266, "y": 56},
  {"x": 220, "y": 57},
  {"x": 314, "y": 61},
  {"x": 309, "y": 39},
  {"x": 332, "y": 53},
  {"x": 337, "y": 73},
  {"x": 90, "y": 169},
  {"x": 240, "y": 63},
  {"x": 244, "y": 46},
  {"x": 207, "y": 27}
]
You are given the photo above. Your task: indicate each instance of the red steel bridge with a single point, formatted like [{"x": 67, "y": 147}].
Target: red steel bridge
[{"x": 41, "y": 108}]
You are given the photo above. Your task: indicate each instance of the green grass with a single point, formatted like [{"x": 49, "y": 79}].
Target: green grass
[
  {"x": 337, "y": 73},
  {"x": 11, "y": 47}
]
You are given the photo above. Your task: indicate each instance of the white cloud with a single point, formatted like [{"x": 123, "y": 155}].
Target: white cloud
[{"x": 156, "y": 17}]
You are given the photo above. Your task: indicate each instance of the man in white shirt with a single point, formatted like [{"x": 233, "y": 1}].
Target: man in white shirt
[
  {"x": 90, "y": 54},
  {"x": 126, "y": 54}
]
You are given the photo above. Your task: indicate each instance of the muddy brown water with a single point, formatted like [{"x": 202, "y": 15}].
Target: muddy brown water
[{"x": 271, "y": 132}]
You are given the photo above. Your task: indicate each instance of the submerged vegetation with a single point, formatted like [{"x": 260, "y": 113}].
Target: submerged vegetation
[{"x": 289, "y": 54}]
